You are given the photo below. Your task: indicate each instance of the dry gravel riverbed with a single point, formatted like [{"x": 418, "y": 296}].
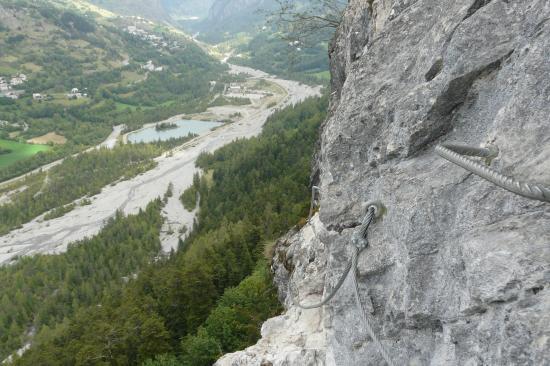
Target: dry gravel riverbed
[{"x": 129, "y": 196}]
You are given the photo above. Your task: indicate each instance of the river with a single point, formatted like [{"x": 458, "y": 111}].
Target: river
[
  {"x": 181, "y": 128},
  {"x": 132, "y": 195}
]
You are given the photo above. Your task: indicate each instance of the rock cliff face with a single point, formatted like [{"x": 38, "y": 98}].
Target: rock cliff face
[{"x": 458, "y": 270}]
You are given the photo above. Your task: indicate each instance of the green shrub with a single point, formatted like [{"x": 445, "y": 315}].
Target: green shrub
[
  {"x": 15, "y": 39},
  {"x": 200, "y": 350},
  {"x": 189, "y": 198},
  {"x": 163, "y": 360},
  {"x": 59, "y": 212}
]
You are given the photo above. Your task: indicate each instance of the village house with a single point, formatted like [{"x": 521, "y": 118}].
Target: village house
[
  {"x": 16, "y": 81},
  {"x": 150, "y": 66},
  {"x": 6, "y": 85},
  {"x": 236, "y": 88},
  {"x": 152, "y": 37},
  {"x": 19, "y": 125},
  {"x": 157, "y": 41},
  {"x": 12, "y": 95},
  {"x": 7, "y": 92},
  {"x": 76, "y": 94},
  {"x": 135, "y": 31}
]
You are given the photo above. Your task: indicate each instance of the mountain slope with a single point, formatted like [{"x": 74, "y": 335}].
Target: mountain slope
[
  {"x": 60, "y": 47},
  {"x": 222, "y": 10},
  {"x": 227, "y": 18},
  {"x": 188, "y": 8}
]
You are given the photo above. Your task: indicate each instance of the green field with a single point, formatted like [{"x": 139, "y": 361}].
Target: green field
[{"x": 19, "y": 151}]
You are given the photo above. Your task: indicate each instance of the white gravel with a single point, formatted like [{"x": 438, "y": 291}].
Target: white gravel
[{"x": 130, "y": 196}]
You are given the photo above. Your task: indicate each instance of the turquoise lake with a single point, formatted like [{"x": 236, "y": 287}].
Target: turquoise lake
[{"x": 150, "y": 134}]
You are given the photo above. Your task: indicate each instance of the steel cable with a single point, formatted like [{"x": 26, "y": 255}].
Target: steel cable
[
  {"x": 361, "y": 243},
  {"x": 367, "y": 323},
  {"x": 457, "y": 155},
  {"x": 363, "y": 231},
  {"x": 332, "y": 294}
]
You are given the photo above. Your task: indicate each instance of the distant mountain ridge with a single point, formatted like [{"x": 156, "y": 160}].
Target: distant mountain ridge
[
  {"x": 152, "y": 8},
  {"x": 160, "y": 10},
  {"x": 186, "y": 8},
  {"x": 212, "y": 18},
  {"x": 222, "y": 10},
  {"x": 233, "y": 16}
]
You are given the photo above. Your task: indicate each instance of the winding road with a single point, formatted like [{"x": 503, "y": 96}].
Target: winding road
[{"x": 130, "y": 196}]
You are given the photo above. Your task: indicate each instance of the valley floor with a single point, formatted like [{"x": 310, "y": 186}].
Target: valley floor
[
  {"x": 130, "y": 196},
  {"x": 110, "y": 143}
]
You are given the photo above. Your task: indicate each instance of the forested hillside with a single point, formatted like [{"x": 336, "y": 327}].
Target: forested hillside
[
  {"x": 85, "y": 72},
  {"x": 227, "y": 18},
  {"x": 210, "y": 297},
  {"x": 258, "y": 34},
  {"x": 43, "y": 292},
  {"x": 268, "y": 51}
]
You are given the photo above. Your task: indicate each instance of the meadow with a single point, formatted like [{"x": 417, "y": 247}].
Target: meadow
[{"x": 19, "y": 151}]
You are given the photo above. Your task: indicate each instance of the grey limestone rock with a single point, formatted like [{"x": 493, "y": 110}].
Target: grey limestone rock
[{"x": 458, "y": 270}]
